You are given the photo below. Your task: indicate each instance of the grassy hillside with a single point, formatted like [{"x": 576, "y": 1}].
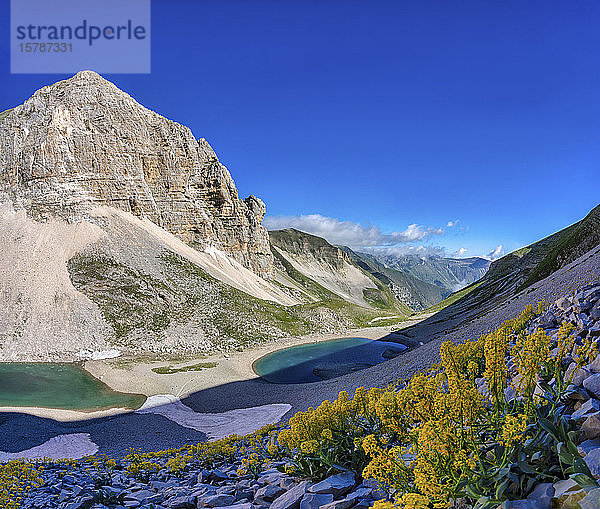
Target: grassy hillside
[
  {"x": 414, "y": 293},
  {"x": 315, "y": 249},
  {"x": 570, "y": 244},
  {"x": 521, "y": 269},
  {"x": 139, "y": 305}
]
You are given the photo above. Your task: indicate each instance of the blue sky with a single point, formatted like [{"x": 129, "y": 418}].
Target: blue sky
[{"x": 378, "y": 123}]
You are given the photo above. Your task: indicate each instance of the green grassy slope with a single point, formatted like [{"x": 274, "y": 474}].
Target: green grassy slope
[
  {"x": 297, "y": 242},
  {"x": 520, "y": 269},
  {"x": 138, "y": 305}
]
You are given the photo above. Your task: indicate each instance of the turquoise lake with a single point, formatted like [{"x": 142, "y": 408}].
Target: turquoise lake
[
  {"x": 58, "y": 385},
  {"x": 314, "y": 362}
]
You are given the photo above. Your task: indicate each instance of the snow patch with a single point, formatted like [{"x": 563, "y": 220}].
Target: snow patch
[
  {"x": 240, "y": 421},
  {"x": 74, "y": 446}
]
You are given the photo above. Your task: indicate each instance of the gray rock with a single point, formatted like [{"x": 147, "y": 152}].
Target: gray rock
[
  {"x": 590, "y": 407},
  {"x": 344, "y": 503},
  {"x": 361, "y": 492},
  {"x": 542, "y": 494},
  {"x": 377, "y": 491},
  {"x": 269, "y": 492},
  {"x": 218, "y": 475},
  {"x": 217, "y": 500},
  {"x": 592, "y": 385},
  {"x": 587, "y": 445},
  {"x": 338, "y": 484},
  {"x": 591, "y": 427},
  {"x": 564, "y": 304},
  {"x": 547, "y": 320},
  {"x": 577, "y": 376},
  {"x": 564, "y": 486},
  {"x": 287, "y": 483},
  {"x": 291, "y": 499},
  {"x": 182, "y": 503},
  {"x": 591, "y": 500},
  {"x": 522, "y": 504},
  {"x": 243, "y": 493},
  {"x": 270, "y": 478},
  {"x": 592, "y": 460},
  {"x": 315, "y": 500},
  {"x": 139, "y": 496},
  {"x": 594, "y": 366},
  {"x": 246, "y": 505},
  {"x": 594, "y": 331},
  {"x": 364, "y": 503},
  {"x": 84, "y": 502}
]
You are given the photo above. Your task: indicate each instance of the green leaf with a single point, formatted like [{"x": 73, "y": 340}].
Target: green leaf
[
  {"x": 503, "y": 472},
  {"x": 526, "y": 468},
  {"x": 580, "y": 466},
  {"x": 501, "y": 488},
  {"x": 586, "y": 482},
  {"x": 550, "y": 428},
  {"x": 474, "y": 494},
  {"x": 572, "y": 448}
]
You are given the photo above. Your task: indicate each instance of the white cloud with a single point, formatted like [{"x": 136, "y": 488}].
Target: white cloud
[
  {"x": 461, "y": 251},
  {"x": 496, "y": 253},
  {"x": 422, "y": 251},
  {"x": 349, "y": 233},
  {"x": 452, "y": 224}
]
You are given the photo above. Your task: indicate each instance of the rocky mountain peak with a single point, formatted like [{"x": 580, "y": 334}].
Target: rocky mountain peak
[{"x": 83, "y": 142}]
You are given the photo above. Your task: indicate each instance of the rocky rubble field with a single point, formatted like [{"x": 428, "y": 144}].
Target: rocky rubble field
[{"x": 214, "y": 488}]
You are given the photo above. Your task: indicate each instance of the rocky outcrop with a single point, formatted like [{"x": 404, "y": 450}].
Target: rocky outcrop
[{"x": 83, "y": 142}]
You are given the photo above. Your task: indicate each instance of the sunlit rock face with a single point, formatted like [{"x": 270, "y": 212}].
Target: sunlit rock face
[{"x": 83, "y": 142}]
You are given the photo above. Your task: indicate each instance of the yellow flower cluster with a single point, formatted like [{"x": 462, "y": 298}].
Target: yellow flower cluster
[
  {"x": 414, "y": 501},
  {"x": 388, "y": 465},
  {"x": 251, "y": 464},
  {"x": 17, "y": 479},
  {"x": 309, "y": 447},
  {"x": 344, "y": 416},
  {"x": 530, "y": 351},
  {"x": 513, "y": 430},
  {"x": 439, "y": 416},
  {"x": 178, "y": 463},
  {"x": 139, "y": 466},
  {"x": 406, "y": 501}
]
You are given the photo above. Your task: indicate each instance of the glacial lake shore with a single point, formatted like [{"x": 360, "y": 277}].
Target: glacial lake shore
[{"x": 130, "y": 374}]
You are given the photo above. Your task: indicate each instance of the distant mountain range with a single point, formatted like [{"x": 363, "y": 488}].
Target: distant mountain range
[
  {"x": 521, "y": 273},
  {"x": 451, "y": 274}
]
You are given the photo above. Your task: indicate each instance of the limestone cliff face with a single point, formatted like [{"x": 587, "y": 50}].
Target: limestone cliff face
[{"x": 83, "y": 142}]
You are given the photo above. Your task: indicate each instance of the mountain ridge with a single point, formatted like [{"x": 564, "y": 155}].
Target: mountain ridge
[
  {"x": 122, "y": 231},
  {"x": 83, "y": 142}
]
